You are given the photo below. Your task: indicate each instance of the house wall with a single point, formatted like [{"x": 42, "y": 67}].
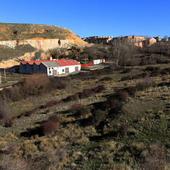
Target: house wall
[
  {"x": 42, "y": 69},
  {"x": 26, "y": 69},
  {"x": 87, "y": 65},
  {"x": 98, "y": 61},
  {"x": 54, "y": 71},
  {"x": 61, "y": 70},
  {"x": 32, "y": 68},
  {"x": 21, "y": 68},
  {"x": 50, "y": 70}
]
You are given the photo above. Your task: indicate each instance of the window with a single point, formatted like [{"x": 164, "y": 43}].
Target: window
[
  {"x": 49, "y": 70},
  {"x": 63, "y": 70},
  {"x": 76, "y": 69}
]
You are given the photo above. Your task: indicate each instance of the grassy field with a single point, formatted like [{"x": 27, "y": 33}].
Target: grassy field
[{"x": 110, "y": 119}]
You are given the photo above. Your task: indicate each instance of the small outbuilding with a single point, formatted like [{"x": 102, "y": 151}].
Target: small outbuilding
[{"x": 99, "y": 61}]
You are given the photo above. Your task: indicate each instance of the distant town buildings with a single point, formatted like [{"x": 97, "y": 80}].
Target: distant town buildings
[
  {"x": 98, "y": 39},
  {"x": 139, "y": 41}
]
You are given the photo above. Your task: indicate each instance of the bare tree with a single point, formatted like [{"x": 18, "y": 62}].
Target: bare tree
[{"x": 122, "y": 52}]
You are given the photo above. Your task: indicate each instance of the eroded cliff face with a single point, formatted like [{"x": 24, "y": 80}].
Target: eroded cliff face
[
  {"x": 15, "y": 61},
  {"x": 39, "y": 44}
]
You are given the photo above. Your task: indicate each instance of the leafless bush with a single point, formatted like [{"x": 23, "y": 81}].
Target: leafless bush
[
  {"x": 72, "y": 97},
  {"x": 10, "y": 163},
  {"x": 4, "y": 110},
  {"x": 50, "y": 160},
  {"x": 14, "y": 93},
  {"x": 35, "y": 84},
  {"x": 123, "y": 95},
  {"x": 50, "y": 104},
  {"x": 51, "y": 125},
  {"x": 123, "y": 54},
  {"x": 76, "y": 106},
  {"x": 99, "y": 89},
  {"x": 99, "y": 116},
  {"x": 131, "y": 90},
  {"x": 106, "y": 79},
  {"x": 146, "y": 83},
  {"x": 5, "y": 113},
  {"x": 155, "y": 159},
  {"x": 59, "y": 83}
]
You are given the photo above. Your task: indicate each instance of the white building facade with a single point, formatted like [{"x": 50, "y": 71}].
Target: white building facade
[{"x": 62, "y": 67}]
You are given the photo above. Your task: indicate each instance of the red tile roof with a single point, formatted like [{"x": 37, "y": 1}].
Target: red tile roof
[
  {"x": 67, "y": 62},
  {"x": 60, "y": 62},
  {"x": 31, "y": 62}
]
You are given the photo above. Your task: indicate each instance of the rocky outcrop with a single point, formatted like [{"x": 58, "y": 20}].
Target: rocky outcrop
[
  {"x": 38, "y": 36},
  {"x": 39, "y": 44},
  {"x": 16, "y": 61}
]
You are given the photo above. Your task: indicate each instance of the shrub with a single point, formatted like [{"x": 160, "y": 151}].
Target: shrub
[
  {"x": 9, "y": 162},
  {"x": 35, "y": 84},
  {"x": 99, "y": 89},
  {"x": 86, "y": 93},
  {"x": 4, "y": 113},
  {"x": 155, "y": 159},
  {"x": 51, "y": 125},
  {"x": 76, "y": 106},
  {"x": 59, "y": 83},
  {"x": 106, "y": 79},
  {"x": 99, "y": 116},
  {"x": 72, "y": 97},
  {"x": 165, "y": 71},
  {"x": 3, "y": 109},
  {"x": 85, "y": 111},
  {"x": 131, "y": 90},
  {"x": 8, "y": 122},
  {"x": 50, "y": 104},
  {"x": 146, "y": 83},
  {"x": 123, "y": 95}
]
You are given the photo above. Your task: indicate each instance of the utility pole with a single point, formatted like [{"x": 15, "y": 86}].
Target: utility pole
[
  {"x": 5, "y": 75},
  {"x": 0, "y": 78}
]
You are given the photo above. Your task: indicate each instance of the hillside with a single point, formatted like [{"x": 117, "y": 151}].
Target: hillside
[
  {"x": 105, "y": 119},
  {"x": 31, "y": 31},
  {"x": 19, "y": 40}
]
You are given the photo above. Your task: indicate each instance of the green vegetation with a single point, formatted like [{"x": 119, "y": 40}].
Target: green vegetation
[{"x": 10, "y": 53}]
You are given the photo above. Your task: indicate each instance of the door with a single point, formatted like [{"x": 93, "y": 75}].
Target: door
[
  {"x": 55, "y": 73},
  {"x": 67, "y": 70}
]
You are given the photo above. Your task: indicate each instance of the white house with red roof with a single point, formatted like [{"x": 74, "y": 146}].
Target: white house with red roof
[{"x": 50, "y": 67}]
